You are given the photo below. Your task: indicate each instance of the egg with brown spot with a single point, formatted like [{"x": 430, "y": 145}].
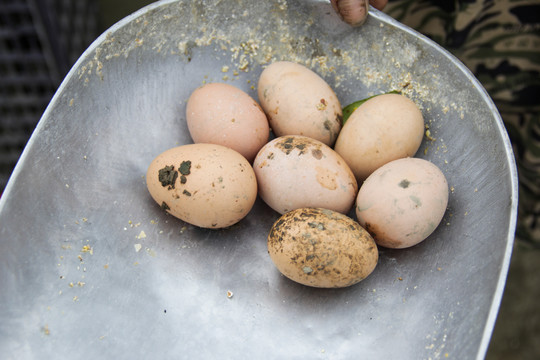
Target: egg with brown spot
[
  {"x": 297, "y": 101},
  {"x": 207, "y": 185},
  {"x": 297, "y": 171},
  {"x": 402, "y": 202},
  {"x": 321, "y": 248}
]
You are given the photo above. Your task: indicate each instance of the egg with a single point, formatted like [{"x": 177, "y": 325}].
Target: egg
[
  {"x": 402, "y": 202},
  {"x": 223, "y": 114},
  {"x": 296, "y": 171},
  {"x": 321, "y": 248},
  {"x": 297, "y": 101},
  {"x": 384, "y": 128},
  {"x": 207, "y": 185}
]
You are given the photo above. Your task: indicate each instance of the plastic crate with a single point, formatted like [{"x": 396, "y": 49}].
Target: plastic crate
[{"x": 39, "y": 42}]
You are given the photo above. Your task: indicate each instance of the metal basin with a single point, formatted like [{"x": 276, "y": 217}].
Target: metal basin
[{"x": 90, "y": 267}]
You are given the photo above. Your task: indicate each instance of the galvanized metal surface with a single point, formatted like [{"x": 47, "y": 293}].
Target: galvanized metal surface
[{"x": 90, "y": 267}]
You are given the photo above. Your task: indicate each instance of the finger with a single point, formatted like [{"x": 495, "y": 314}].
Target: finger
[
  {"x": 353, "y": 12},
  {"x": 378, "y": 4}
]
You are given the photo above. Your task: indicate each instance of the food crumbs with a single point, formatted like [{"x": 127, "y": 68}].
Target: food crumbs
[
  {"x": 46, "y": 330},
  {"x": 137, "y": 247},
  {"x": 106, "y": 266},
  {"x": 321, "y": 105},
  {"x": 142, "y": 235},
  {"x": 230, "y": 294},
  {"x": 87, "y": 249}
]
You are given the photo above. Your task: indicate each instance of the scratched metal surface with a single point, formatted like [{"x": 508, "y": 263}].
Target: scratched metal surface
[{"x": 91, "y": 268}]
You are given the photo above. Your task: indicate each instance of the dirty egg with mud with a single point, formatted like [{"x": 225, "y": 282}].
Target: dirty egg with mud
[{"x": 321, "y": 248}]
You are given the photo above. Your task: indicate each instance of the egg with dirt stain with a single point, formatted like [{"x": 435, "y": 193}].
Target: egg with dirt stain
[
  {"x": 321, "y": 248},
  {"x": 207, "y": 185},
  {"x": 384, "y": 128},
  {"x": 297, "y": 171},
  {"x": 223, "y": 114},
  {"x": 402, "y": 202},
  {"x": 297, "y": 101}
]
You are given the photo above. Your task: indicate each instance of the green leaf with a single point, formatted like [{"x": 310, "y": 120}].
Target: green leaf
[{"x": 349, "y": 109}]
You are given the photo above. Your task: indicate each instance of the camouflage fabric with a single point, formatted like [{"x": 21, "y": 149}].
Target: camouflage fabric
[{"x": 499, "y": 41}]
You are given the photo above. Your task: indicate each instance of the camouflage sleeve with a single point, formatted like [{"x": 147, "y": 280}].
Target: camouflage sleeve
[{"x": 499, "y": 41}]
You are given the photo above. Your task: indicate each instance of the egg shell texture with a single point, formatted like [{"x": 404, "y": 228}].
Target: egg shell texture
[
  {"x": 402, "y": 202},
  {"x": 384, "y": 128},
  {"x": 207, "y": 185},
  {"x": 297, "y": 101},
  {"x": 225, "y": 115},
  {"x": 296, "y": 171},
  {"x": 321, "y": 248}
]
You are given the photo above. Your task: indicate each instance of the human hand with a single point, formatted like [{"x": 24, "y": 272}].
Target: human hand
[{"x": 354, "y": 12}]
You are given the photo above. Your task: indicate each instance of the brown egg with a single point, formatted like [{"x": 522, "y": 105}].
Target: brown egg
[
  {"x": 321, "y": 248},
  {"x": 384, "y": 128},
  {"x": 402, "y": 202},
  {"x": 296, "y": 171},
  {"x": 297, "y": 101},
  {"x": 225, "y": 115},
  {"x": 207, "y": 185}
]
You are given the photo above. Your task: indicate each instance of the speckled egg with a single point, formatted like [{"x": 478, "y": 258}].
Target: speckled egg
[
  {"x": 321, "y": 248},
  {"x": 207, "y": 185},
  {"x": 296, "y": 171},
  {"x": 223, "y": 114},
  {"x": 297, "y": 101},
  {"x": 384, "y": 128},
  {"x": 402, "y": 202}
]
